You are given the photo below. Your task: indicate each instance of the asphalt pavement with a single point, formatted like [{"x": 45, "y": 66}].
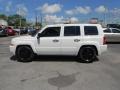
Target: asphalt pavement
[{"x": 59, "y": 73}]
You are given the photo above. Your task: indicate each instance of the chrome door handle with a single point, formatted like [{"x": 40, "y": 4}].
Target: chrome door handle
[
  {"x": 76, "y": 40},
  {"x": 55, "y": 40}
]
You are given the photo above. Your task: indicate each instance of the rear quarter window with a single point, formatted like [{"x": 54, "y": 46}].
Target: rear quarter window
[{"x": 90, "y": 30}]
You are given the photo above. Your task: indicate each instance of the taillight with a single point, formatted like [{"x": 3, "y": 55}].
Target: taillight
[{"x": 104, "y": 40}]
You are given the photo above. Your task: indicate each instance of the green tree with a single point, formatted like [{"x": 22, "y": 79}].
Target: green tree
[
  {"x": 3, "y": 17},
  {"x": 14, "y": 20}
]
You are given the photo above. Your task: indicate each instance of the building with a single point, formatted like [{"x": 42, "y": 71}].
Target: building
[
  {"x": 3, "y": 23},
  {"x": 93, "y": 20}
]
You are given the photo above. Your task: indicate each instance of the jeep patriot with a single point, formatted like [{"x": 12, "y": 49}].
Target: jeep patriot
[{"x": 86, "y": 41}]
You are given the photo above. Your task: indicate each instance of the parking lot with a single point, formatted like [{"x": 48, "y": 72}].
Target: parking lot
[{"x": 59, "y": 73}]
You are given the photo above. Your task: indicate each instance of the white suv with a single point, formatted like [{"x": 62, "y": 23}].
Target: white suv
[{"x": 83, "y": 40}]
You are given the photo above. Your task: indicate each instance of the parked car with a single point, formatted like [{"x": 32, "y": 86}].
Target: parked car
[
  {"x": 23, "y": 30},
  {"x": 113, "y": 26},
  {"x": 17, "y": 30},
  {"x": 3, "y": 32},
  {"x": 10, "y": 31},
  {"x": 112, "y": 34},
  {"x": 32, "y": 31},
  {"x": 86, "y": 41}
]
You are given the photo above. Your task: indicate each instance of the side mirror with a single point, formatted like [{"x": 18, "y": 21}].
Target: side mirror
[{"x": 39, "y": 35}]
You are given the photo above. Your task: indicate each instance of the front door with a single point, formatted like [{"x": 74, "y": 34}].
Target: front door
[
  {"x": 49, "y": 43},
  {"x": 116, "y": 35}
]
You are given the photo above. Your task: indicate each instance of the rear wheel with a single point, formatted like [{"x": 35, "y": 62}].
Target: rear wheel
[
  {"x": 87, "y": 54},
  {"x": 24, "y": 54}
]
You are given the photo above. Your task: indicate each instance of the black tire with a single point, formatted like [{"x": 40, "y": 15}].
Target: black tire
[
  {"x": 87, "y": 54},
  {"x": 24, "y": 54}
]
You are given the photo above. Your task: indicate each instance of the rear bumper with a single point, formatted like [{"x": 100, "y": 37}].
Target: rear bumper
[
  {"x": 11, "y": 33},
  {"x": 103, "y": 48},
  {"x": 3, "y": 34}
]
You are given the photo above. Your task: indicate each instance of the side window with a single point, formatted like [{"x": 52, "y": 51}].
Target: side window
[
  {"x": 91, "y": 30},
  {"x": 71, "y": 30},
  {"x": 115, "y": 31},
  {"x": 51, "y": 32},
  {"x": 107, "y": 31}
]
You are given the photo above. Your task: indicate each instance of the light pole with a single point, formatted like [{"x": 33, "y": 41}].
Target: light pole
[
  {"x": 21, "y": 12},
  {"x": 38, "y": 18},
  {"x": 20, "y": 20},
  {"x": 105, "y": 15}
]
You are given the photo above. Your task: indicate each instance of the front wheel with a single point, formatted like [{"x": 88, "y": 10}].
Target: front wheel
[
  {"x": 24, "y": 54},
  {"x": 87, "y": 54}
]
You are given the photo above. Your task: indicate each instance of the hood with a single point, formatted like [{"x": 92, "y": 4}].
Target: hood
[{"x": 23, "y": 38}]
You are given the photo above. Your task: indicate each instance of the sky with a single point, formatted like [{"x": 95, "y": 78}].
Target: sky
[{"x": 58, "y": 10}]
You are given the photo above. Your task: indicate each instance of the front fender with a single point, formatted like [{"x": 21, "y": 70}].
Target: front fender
[{"x": 27, "y": 44}]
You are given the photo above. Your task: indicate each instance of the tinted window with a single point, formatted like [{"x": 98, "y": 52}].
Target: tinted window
[
  {"x": 71, "y": 30},
  {"x": 107, "y": 31},
  {"x": 115, "y": 31},
  {"x": 91, "y": 30},
  {"x": 51, "y": 32}
]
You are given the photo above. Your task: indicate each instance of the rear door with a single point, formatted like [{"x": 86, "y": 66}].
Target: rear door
[{"x": 70, "y": 40}]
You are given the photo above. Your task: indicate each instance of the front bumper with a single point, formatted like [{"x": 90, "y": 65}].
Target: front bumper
[{"x": 12, "y": 49}]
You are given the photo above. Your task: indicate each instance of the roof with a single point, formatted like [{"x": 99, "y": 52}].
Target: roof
[{"x": 73, "y": 24}]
